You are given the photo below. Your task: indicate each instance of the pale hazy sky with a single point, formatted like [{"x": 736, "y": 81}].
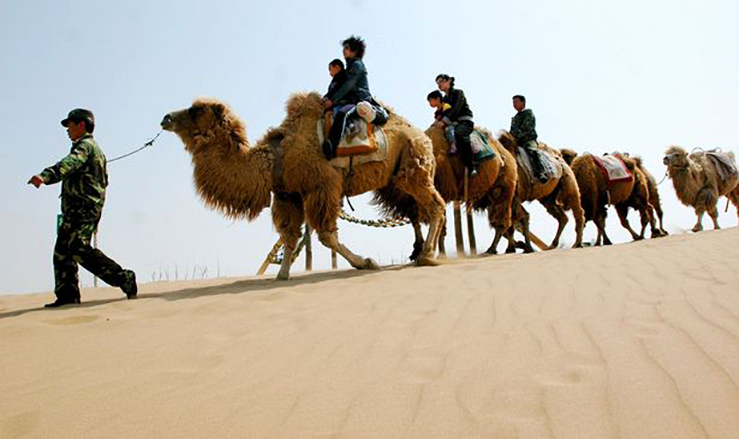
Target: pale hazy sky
[{"x": 628, "y": 75}]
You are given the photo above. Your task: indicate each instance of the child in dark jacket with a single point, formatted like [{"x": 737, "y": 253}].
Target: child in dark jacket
[
  {"x": 436, "y": 101},
  {"x": 338, "y": 77}
]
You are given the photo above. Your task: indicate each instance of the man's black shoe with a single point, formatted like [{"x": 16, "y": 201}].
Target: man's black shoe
[
  {"x": 61, "y": 302},
  {"x": 129, "y": 286}
]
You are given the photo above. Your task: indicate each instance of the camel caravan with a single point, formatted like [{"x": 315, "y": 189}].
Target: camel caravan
[{"x": 346, "y": 143}]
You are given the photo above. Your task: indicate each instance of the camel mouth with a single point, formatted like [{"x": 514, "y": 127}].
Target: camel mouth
[{"x": 167, "y": 123}]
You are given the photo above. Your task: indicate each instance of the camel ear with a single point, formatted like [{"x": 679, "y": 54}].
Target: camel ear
[{"x": 219, "y": 110}]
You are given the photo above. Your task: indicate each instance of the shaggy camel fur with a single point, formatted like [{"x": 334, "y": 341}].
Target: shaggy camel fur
[
  {"x": 557, "y": 195},
  {"x": 698, "y": 184},
  {"x": 492, "y": 189},
  {"x": 238, "y": 180},
  {"x": 596, "y": 195}
]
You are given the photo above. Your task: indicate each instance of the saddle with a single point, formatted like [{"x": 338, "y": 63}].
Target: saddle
[
  {"x": 361, "y": 144},
  {"x": 549, "y": 163},
  {"x": 724, "y": 163},
  {"x": 613, "y": 169}
]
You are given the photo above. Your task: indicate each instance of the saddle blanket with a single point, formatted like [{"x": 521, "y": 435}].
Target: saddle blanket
[
  {"x": 550, "y": 164},
  {"x": 725, "y": 164},
  {"x": 481, "y": 148},
  {"x": 365, "y": 143},
  {"x": 613, "y": 169}
]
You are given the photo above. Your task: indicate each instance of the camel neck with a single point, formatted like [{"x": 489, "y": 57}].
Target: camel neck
[{"x": 236, "y": 181}]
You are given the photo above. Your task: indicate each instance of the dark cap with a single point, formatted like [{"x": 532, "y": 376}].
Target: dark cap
[{"x": 78, "y": 115}]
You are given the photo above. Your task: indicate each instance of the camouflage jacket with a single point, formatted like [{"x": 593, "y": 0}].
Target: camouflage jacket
[
  {"x": 84, "y": 179},
  {"x": 523, "y": 127}
]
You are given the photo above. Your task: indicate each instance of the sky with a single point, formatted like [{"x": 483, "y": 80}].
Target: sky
[{"x": 600, "y": 76}]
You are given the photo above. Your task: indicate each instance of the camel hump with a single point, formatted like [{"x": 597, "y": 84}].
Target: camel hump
[{"x": 724, "y": 164}]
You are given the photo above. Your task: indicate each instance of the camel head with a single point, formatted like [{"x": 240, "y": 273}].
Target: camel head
[
  {"x": 569, "y": 155},
  {"x": 676, "y": 157},
  {"x": 208, "y": 123},
  {"x": 507, "y": 140}
]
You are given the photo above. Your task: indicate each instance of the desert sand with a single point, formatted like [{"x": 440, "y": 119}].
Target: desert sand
[{"x": 638, "y": 340}]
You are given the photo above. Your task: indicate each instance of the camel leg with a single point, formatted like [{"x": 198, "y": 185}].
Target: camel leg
[
  {"x": 418, "y": 243},
  {"x": 600, "y": 222},
  {"x": 713, "y": 213},
  {"x": 523, "y": 219},
  {"x": 569, "y": 198},
  {"x": 658, "y": 210},
  {"x": 646, "y": 219},
  {"x": 442, "y": 239},
  {"x": 420, "y": 186},
  {"x": 655, "y": 213},
  {"x": 331, "y": 240},
  {"x": 493, "y": 249},
  {"x": 699, "y": 222},
  {"x": 623, "y": 215},
  {"x": 561, "y": 217},
  {"x": 733, "y": 197},
  {"x": 322, "y": 211},
  {"x": 288, "y": 216}
]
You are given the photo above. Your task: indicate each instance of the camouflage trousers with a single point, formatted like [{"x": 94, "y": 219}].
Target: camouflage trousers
[
  {"x": 532, "y": 149},
  {"x": 72, "y": 249}
]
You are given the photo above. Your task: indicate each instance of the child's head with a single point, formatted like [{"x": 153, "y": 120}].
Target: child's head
[
  {"x": 434, "y": 99},
  {"x": 335, "y": 67}
]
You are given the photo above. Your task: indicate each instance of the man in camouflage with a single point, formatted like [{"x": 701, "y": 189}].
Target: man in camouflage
[
  {"x": 84, "y": 179},
  {"x": 523, "y": 129}
]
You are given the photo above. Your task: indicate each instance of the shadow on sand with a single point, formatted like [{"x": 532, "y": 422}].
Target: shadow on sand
[{"x": 237, "y": 287}]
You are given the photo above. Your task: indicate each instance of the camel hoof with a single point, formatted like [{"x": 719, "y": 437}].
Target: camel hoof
[
  {"x": 281, "y": 276},
  {"x": 577, "y": 245},
  {"x": 491, "y": 251},
  {"x": 370, "y": 264},
  {"x": 416, "y": 251},
  {"x": 427, "y": 262},
  {"x": 638, "y": 238}
]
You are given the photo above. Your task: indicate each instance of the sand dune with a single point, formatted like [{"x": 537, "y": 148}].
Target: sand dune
[{"x": 632, "y": 341}]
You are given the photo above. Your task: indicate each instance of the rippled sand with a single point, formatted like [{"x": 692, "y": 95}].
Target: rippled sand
[{"x": 632, "y": 341}]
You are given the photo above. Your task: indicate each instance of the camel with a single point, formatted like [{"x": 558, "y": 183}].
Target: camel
[
  {"x": 596, "y": 195},
  {"x": 699, "y": 183},
  {"x": 238, "y": 180},
  {"x": 492, "y": 189},
  {"x": 653, "y": 207},
  {"x": 557, "y": 195}
]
